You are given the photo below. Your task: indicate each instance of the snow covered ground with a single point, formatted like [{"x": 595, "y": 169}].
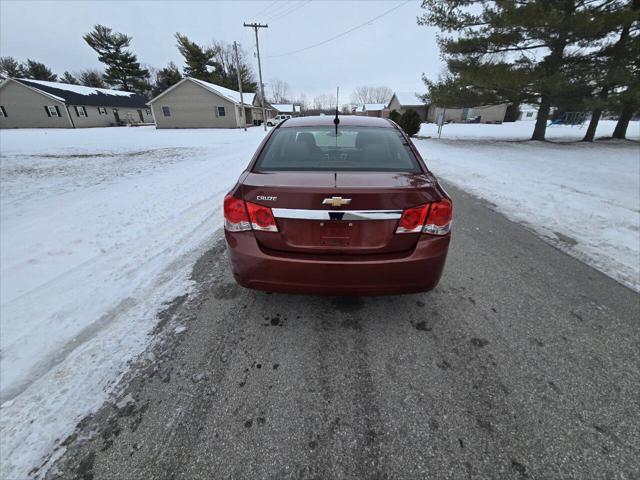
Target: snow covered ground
[
  {"x": 99, "y": 228},
  {"x": 584, "y": 198}
]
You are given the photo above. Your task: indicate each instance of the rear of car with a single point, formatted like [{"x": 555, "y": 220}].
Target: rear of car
[{"x": 353, "y": 213}]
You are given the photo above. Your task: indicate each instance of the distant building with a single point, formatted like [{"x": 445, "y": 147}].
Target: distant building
[
  {"x": 193, "y": 103},
  {"x": 286, "y": 109},
  {"x": 528, "y": 112},
  {"x": 28, "y": 103},
  {"x": 403, "y": 101},
  {"x": 481, "y": 114},
  {"x": 373, "y": 110}
]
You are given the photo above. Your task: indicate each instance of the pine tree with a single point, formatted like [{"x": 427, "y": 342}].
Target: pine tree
[
  {"x": 11, "y": 68},
  {"x": 611, "y": 66},
  {"x": 123, "y": 69},
  {"x": 197, "y": 59},
  {"x": 394, "y": 116},
  {"x": 68, "y": 78},
  {"x": 92, "y": 78},
  {"x": 215, "y": 64},
  {"x": 410, "y": 122},
  {"x": 513, "y": 50},
  {"x": 38, "y": 71},
  {"x": 165, "y": 78}
]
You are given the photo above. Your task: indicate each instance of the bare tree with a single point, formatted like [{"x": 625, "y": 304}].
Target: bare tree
[
  {"x": 301, "y": 100},
  {"x": 324, "y": 102},
  {"x": 369, "y": 94},
  {"x": 279, "y": 91}
]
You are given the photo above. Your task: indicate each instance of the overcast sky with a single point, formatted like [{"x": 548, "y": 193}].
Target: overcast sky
[{"x": 393, "y": 50}]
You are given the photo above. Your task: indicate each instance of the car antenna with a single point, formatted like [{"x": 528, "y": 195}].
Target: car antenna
[{"x": 336, "y": 120}]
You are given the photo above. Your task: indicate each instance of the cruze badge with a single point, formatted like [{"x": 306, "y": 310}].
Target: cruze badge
[
  {"x": 267, "y": 198},
  {"x": 336, "y": 201}
]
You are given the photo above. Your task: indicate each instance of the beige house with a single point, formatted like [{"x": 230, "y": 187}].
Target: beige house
[
  {"x": 28, "y": 103},
  {"x": 403, "y": 101},
  {"x": 372, "y": 110},
  {"x": 286, "y": 109},
  {"x": 193, "y": 103},
  {"x": 486, "y": 114}
]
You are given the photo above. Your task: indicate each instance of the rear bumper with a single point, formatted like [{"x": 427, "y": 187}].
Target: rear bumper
[{"x": 416, "y": 271}]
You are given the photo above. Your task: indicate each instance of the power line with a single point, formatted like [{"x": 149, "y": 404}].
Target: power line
[
  {"x": 278, "y": 9},
  {"x": 268, "y": 7},
  {"x": 295, "y": 8},
  {"x": 353, "y": 29}
]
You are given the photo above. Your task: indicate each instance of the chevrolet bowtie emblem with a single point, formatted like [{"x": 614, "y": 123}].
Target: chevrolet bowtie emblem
[{"x": 336, "y": 201}]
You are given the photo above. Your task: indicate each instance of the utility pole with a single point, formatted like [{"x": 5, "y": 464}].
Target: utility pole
[
  {"x": 243, "y": 112},
  {"x": 255, "y": 27}
]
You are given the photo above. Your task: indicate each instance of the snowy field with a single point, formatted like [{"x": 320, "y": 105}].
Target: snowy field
[
  {"x": 582, "y": 197},
  {"x": 100, "y": 227}
]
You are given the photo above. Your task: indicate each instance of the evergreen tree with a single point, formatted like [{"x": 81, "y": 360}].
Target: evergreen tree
[
  {"x": 513, "y": 50},
  {"x": 38, "y": 71},
  {"x": 68, "y": 78},
  {"x": 215, "y": 64},
  {"x": 611, "y": 67},
  {"x": 165, "y": 78},
  {"x": 197, "y": 60},
  {"x": 123, "y": 69},
  {"x": 394, "y": 116},
  {"x": 92, "y": 78},
  {"x": 410, "y": 122},
  {"x": 11, "y": 68}
]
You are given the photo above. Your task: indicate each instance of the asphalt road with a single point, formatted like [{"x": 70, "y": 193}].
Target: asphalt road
[{"x": 523, "y": 363}]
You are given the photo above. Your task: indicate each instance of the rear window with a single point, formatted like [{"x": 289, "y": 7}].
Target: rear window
[{"x": 367, "y": 149}]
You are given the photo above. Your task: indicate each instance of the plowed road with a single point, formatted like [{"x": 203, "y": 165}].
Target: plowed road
[{"x": 523, "y": 363}]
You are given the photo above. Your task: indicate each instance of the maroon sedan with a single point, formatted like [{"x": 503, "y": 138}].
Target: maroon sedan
[{"x": 346, "y": 209}]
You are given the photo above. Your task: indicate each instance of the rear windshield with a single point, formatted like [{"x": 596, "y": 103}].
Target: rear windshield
[{"x": 368, "y": 149}]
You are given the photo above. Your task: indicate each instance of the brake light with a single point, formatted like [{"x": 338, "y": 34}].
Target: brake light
[
  {"x": 235, "y": 215},
  {"x": 412, "y": 219},
  {"x": 440, "y": 215},
  {"x": 434, "y": 218},
  {"x": 261, "y": 218}
]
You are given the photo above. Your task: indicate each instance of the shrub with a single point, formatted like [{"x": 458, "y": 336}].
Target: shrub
[
  {"x": 394, "y": 116},
  {"x": 410, "y": 122}
]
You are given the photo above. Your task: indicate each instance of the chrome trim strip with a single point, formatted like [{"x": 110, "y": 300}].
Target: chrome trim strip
[{"x": 301, "y": 214}]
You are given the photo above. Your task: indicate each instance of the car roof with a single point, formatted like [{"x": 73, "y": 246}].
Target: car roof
[{"x": 345, "y": 120}]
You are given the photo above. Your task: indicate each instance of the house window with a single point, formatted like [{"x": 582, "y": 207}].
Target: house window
[
  {"x": 166, "y": 111},
  {"x": 3, "y": 112},
  {"x": 220, "y": 112},
  {"x": 52, "y": 111},
  {"x": 81, "y": 111},
  {"x": 529, "y": 114},
  {"x": 102, "y": 110},
  {"x": 148, "y": 111}
]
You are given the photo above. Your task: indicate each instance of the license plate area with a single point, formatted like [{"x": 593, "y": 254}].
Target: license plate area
[{"x": 334, "y": 233}]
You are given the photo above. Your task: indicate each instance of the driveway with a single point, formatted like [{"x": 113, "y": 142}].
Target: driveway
[{"x": 523, "y": 363}]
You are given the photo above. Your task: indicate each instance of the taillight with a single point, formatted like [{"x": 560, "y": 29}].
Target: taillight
[
  {"x": 437, "y": 222},
  {"x": 440, "y": 215},
  {"x": 261, "y": 218},
  {"x": 412, "y": 219},
  {"x": 235, "y": 215}
]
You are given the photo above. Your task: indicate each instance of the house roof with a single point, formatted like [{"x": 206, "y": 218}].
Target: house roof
[
  {"x": 408, "y": 98},
  {"x": 345, "y": 120},
  {"x": 286, "y": 107},
  {"x": 373, "y": 107},
  {"x": 81, "y": 95},
  {"x": 223, "y": 92}
]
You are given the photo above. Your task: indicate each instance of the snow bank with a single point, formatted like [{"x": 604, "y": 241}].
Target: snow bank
[
  {"x": 99, "y": 228},
  {"x": 521, "y": 130},
  {"x": 584, "y": 198}
]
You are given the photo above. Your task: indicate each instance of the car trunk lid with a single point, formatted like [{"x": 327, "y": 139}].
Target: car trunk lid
[{"x": 361, "y": 217}]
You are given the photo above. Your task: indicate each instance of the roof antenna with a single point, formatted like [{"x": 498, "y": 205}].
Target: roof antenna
[{"x": 336, "y": 120}]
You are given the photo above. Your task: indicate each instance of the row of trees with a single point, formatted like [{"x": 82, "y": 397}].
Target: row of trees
[
  {"x": 212, "y": 63},
  {"x": 573, "y": 55}
]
